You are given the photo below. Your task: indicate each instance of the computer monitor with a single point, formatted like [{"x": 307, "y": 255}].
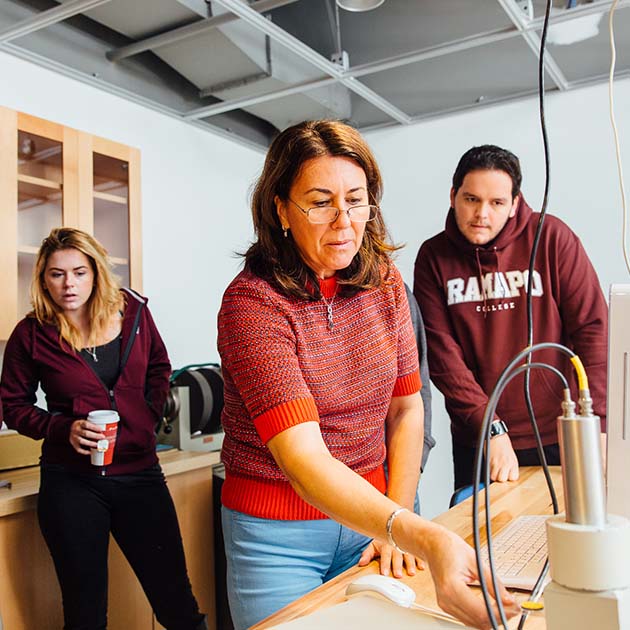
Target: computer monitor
[{"x": 618, "y": 408}]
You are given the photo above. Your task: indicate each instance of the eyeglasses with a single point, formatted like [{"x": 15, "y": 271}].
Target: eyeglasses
[{"x": 328, "y": 214}]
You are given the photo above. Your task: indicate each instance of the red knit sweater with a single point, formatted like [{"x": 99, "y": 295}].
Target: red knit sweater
[{"x": 282, "y": 365}]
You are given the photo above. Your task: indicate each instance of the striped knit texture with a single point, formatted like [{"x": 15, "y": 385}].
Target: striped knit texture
[{"x": 282, "y": 365}]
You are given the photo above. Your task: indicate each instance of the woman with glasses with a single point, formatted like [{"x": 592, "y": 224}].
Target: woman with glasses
[{"x": 321, "y": 388}]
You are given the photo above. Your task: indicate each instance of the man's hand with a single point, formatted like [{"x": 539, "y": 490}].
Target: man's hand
[{"x": 503, "y": 462}]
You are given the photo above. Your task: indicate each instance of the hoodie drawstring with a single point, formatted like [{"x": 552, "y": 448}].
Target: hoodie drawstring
[{"x": 481, "y": 286}]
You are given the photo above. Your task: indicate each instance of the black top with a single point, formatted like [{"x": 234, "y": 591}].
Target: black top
[{"x": 105, "y": 360}]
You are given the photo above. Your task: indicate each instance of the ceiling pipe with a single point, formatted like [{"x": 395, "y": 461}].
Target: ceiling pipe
[
  {"x": 403, "y": 60},
  {"x": 299, "y": 48},
  {"x": 190, "y": 30},
  {"x": 47, "y": 18},
  {"x": 354, "y": 72}
]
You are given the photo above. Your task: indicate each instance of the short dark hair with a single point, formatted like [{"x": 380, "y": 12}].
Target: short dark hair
[
  {"x": 489, "y": 157},
  {"x": 275, "y": 258}
]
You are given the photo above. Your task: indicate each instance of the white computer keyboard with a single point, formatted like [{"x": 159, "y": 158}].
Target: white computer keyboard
[{"x": 519, "y": 551}]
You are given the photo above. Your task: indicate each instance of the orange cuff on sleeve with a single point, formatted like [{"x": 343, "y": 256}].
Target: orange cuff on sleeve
[
  {"x": 409, "y": 384},
  {"x": 284, "y": 416}
]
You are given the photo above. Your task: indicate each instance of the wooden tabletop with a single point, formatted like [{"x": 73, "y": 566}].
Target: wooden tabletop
[
  {"x": 528, "y": 495},
  {"x": 25, "y": 481}
]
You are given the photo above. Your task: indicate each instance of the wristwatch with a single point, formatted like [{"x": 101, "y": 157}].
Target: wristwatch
[{"x": 498, "y": 427}]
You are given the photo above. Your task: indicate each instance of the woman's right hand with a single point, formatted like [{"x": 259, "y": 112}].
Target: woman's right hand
[
  {"x": 84, "y": 435},
  {"x": 453, "y": 567}
]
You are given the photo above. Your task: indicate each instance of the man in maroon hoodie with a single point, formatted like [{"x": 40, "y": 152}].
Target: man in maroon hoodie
[{"x": 471, "y": 280}]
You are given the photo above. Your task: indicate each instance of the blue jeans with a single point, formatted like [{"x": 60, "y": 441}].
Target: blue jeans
[{"x": 271, "y": 563}]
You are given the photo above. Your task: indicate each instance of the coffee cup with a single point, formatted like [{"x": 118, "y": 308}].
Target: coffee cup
[{"x": 108, "y": 420}]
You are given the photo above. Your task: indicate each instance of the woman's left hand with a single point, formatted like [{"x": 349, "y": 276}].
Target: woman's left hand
[{"x": 390, "y": 559}]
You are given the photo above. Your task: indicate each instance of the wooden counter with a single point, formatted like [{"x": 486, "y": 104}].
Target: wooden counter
[
  {"x": 528, "y": 495},
  {"x": 29, "y": 594}
]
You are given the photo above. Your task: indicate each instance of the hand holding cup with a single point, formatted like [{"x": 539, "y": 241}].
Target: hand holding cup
[
  {"x": 84, "y": 436},
  {"x": 96, "y": 436}
]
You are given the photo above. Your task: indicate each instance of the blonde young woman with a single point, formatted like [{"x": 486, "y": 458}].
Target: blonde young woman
[{"x": 91, "y": 345}]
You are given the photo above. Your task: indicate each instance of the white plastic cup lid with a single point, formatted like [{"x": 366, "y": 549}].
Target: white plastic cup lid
[{"x": 103, "y": 416}]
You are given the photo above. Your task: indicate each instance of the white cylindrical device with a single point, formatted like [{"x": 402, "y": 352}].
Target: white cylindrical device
[{"x": 589, "y": 558}]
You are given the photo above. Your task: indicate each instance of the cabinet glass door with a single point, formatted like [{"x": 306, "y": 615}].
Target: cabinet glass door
[
  {"x": 111, "y": 210},
  {"x": 40, "y": 203}
]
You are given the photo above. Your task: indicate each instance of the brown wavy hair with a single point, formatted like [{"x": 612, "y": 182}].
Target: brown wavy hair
[
  {"x": 275, "y": 258},
  {"x": 106, "y": 298}
]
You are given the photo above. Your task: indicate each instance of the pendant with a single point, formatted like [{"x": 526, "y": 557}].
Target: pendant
[{"x": 331, "y": 323}]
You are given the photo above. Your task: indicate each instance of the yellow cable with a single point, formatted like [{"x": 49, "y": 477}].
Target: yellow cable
[{"x": 581, "y": 372}]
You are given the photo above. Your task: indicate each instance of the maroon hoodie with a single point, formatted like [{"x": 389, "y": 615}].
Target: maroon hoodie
[
  {"x": 473, "y": 301},
  {"x": 33, "y": 357}
]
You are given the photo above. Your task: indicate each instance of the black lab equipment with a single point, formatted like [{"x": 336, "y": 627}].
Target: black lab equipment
[{"x": 192, "y": 413}]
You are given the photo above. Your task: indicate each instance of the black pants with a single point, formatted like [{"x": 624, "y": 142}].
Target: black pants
[
  {"x": 76, "y": 515},
  {"x": 464, "y": 461}
]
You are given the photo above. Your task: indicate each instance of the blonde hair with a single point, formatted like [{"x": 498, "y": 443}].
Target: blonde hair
[{"x": 106, "y": 298}]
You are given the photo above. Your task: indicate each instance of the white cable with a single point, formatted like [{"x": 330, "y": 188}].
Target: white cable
[{"x": 613, "y": 57}]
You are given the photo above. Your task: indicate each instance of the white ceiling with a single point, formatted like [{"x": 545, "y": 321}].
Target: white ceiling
[{"x": 248, "y": 69}]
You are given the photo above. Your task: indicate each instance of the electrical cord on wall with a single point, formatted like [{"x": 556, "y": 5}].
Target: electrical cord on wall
[
  {"x": 529, "y": 298},
  {"x": 510, "y": 372},
  {"x": 611, "y": 75}
]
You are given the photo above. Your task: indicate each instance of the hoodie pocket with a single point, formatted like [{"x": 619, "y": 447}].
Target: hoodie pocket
[{"x": 136, "y": 432}]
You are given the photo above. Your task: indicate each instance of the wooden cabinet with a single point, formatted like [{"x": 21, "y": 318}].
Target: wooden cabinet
[
  {"x": 29, "y": 593},
  {"x": 51, "y": 175}
]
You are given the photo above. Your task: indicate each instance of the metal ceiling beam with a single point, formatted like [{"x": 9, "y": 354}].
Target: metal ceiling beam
[
  {"x": 353, "y": 73},
  {"x": 405, "y": 59},
  {"x": 247, "y": 101},
  {"x": 190, "y": 30},
  {"x": 533, "y": 41},
  {"x": 432, "y": 52},
  {"x": 132, "y": 97},
  {"x": 47, "y": 18},
  {"x": 296, "y": 46},
  {"x": 501, "y": 100}
]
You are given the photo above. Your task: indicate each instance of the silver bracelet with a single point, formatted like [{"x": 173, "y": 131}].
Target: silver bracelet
[{"x": 390, "y": 524}]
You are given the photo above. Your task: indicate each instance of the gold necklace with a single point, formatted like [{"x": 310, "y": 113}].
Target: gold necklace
[{"x": 329, "y": 311}]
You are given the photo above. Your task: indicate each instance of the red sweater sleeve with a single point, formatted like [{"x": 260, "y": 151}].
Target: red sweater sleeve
[{"x": 258, "y": 352}]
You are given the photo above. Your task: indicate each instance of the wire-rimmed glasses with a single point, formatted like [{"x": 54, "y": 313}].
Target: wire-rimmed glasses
[{"x": 327, "y": 214}]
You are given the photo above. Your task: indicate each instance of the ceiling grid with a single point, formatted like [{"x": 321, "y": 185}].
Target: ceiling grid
[{"x": 403, "y": 62}]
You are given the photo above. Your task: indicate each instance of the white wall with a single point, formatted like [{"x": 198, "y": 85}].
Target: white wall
[
  {"x": 195, "y": 212},
  {"x": 194, "y": 198},
  {"x": 418, "y": 163}
]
